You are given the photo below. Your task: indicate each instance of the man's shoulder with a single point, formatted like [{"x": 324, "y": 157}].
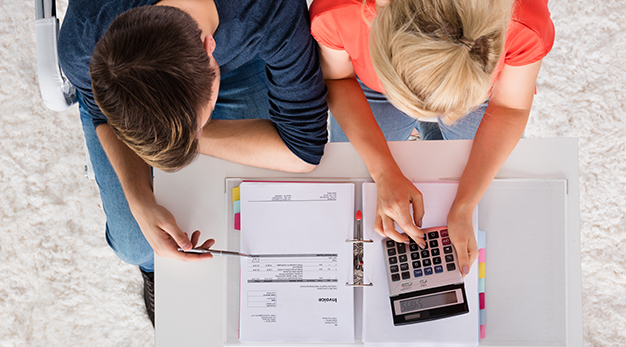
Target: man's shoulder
[{"x": 84, "y": 23}]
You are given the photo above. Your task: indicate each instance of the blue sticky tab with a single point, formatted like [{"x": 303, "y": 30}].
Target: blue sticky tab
[
  {"x": 482, "y": 317},
  {"x": 481, "y": 239},
  {"x": 481, "y": 285},
  {"x": 236, "y": 207}
]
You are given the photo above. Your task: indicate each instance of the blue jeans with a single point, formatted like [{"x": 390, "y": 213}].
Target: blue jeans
[
  {"x": 243, "y": 94},
  {"x": 397, "y": 125}
]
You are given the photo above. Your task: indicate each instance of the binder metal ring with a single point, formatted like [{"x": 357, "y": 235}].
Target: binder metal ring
[
  {"x": 359, "y": 284},
  {"x": 359, "y": 241}
]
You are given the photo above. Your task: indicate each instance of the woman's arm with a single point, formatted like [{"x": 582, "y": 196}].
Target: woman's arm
[
  {"x": 396, "y": 195},
  {"x": 499, "y": 132}
]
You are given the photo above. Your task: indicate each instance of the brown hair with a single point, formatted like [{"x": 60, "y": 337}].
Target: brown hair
[
  {"x": 436, "y": 57},
  {"x": 151, "y": 77}
]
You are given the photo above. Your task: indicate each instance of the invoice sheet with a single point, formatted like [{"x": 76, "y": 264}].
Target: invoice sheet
[
  {"x": 294, "y": 287},
  {"x": 378, "y": 328}
]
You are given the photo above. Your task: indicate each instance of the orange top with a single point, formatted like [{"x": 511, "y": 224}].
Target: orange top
[{"x": 339, "y": 25}]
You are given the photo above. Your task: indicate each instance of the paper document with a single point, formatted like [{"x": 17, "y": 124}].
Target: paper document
[
  {"x": 293, "y": 289},
  {"x": 378, "y": 328}
]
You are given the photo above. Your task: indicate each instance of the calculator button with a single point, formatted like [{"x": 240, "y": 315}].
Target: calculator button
[
  {"x": 437, "y": 260},
  {"x": 428, "y": 271},
  {"x": 417, "y": 264},
  {"x": 393, "y": 260},
  {"x": 449, "y": 258},
  {"x": 415, "y": 256},
  {"x": 426, "y": 262},
  {"x": 438, "y": 269},
  {"x": 414, "y": 247},
  {"x": 425, "y": 254},
  {"x": 417, "y": 273},
  {"x": 447, "y": 249},
  {"x": 445, "y": 241},
  {"x": 401, "y": 248},
  {"x": 402, "y": 258},
  {"x": 433, "y": 235},
  {"x": 393, "y": 268},
  {"x": 406, "y": 275},
  {"x": 390, "y": 243},
  {"x": 444, "y": 232},
  {"x": 451, "y": 267},
  {"x": 391, "y": 251},
  {"x": 434, "y": 243},
  {"x": 411, "y": 240},
  {"x": 434, "y": 251},
  {"x": 395, "y": 277},
  {"x": 404, "y": 267}
]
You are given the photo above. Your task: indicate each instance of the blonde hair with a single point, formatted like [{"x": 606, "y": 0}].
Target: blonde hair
[{"x": 436, "y": 57}]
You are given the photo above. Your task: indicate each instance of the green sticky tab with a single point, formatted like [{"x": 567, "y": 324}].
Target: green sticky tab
[
  {"x": 481, "y": 285},
  {"x": 236, "y": 207}
]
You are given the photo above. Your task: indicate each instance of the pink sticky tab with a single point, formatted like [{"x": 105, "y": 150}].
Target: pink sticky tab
[
  {"x": 481, "y": 300},
  {"x": 481, "y": 255},
  {"x": 237, "y": 221},
  {"x": 482, "y": 332}
]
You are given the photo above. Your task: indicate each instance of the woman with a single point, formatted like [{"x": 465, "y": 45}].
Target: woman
[{"x": 469, "y": 65}]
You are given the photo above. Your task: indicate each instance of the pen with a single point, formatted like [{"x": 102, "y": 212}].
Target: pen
[{"x": 215, "y": 252}]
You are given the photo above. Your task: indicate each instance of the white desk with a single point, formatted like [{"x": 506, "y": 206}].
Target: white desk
[{"x": 190, "y": 297}]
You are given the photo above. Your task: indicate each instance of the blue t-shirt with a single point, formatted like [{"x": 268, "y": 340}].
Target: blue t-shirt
[{"x": 277, "y": 31}]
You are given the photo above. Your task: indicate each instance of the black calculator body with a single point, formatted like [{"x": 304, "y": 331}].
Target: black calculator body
[{"x": 424, "y": 284}]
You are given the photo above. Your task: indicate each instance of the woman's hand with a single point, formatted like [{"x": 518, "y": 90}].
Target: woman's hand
[
  {"x": 396, "y": 197},
  {"x": 461, "y": 233}
]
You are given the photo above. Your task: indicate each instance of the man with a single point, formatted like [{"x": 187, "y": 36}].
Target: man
[{"x": 235, "y": 80}]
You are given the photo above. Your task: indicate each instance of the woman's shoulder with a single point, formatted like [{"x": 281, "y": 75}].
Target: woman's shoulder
[
  {"x": 336, "y": 21},
  {"x": 320, "y": 7},
  {"x": 533, "y": 14},
  {"x": 531, "y": 33}
]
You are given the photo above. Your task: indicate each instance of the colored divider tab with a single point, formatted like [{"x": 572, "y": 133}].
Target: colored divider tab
[
  {"x": 236, "y": 209},
  {"x": 237, "y": 221},
  {"x": 481, "y": 239},
  {"x": 481, "y": 280}
]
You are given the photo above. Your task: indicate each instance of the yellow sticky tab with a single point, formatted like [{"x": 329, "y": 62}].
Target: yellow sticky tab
[
  {"x": 235, "y": 193},
  {"x": 481, "y": 270}
]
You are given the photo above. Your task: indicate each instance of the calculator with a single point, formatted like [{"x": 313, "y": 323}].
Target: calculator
[{"x": 424, "y": 284}]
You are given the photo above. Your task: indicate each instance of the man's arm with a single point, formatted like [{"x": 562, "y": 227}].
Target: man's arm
[
  {"x": 157, "y": 223},
  {"x": 253, "y": 142},
  {"x": 499, "y": 132}
]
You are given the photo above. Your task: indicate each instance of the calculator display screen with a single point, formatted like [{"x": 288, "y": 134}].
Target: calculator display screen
[{"x": 426, "y": 302}]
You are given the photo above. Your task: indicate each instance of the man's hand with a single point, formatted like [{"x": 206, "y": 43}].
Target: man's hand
[
  {"x": 461, "y": 234},
  {"x": 396, "y": 195},
  {"x": 159, "y": 227}
]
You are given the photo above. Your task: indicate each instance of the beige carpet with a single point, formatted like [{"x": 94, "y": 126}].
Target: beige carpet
[{"x": 60, "y": 284}]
